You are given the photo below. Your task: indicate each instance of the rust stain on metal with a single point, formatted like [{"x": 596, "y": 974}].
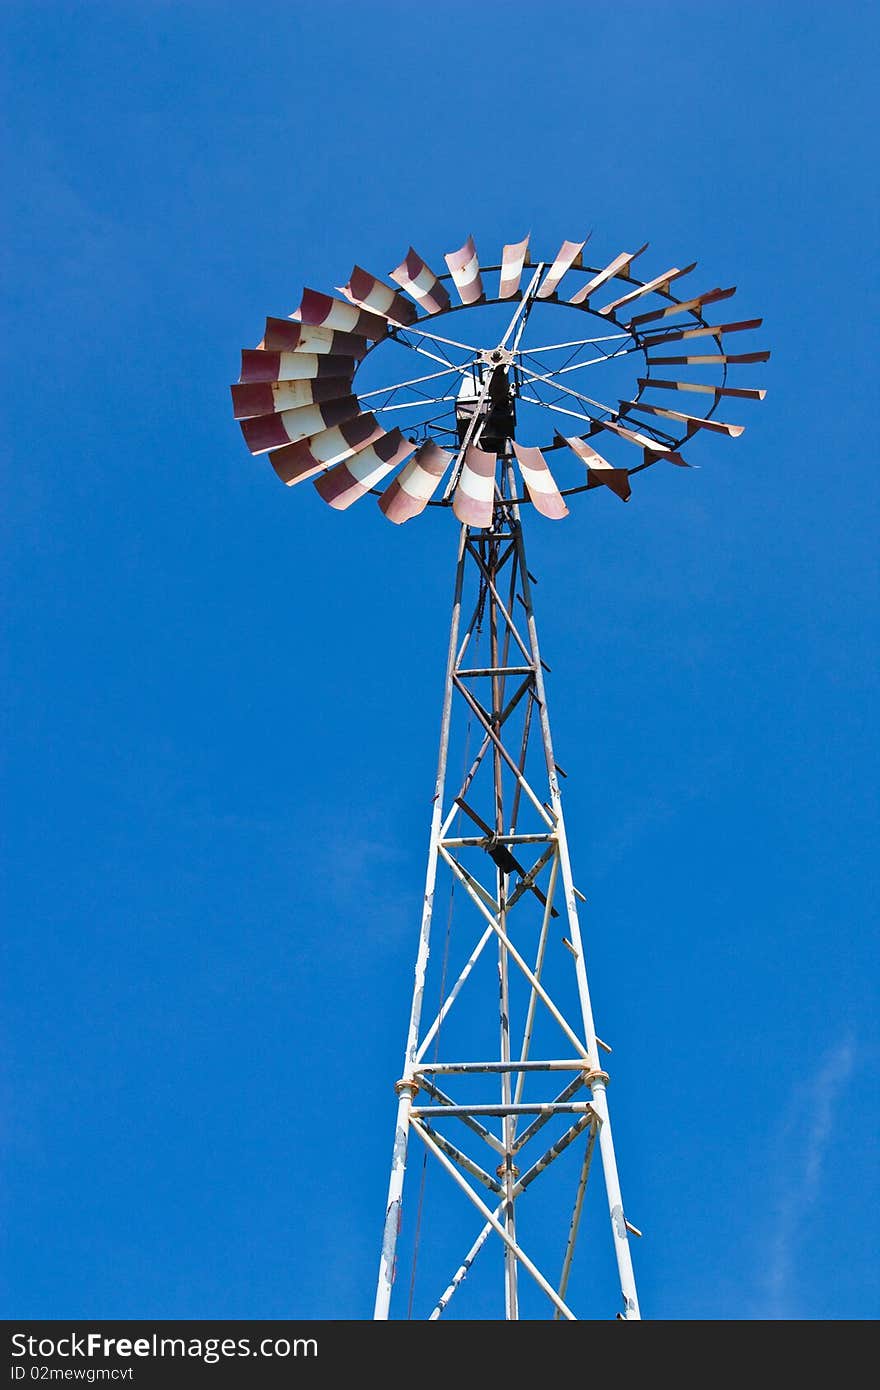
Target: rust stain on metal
[{"x": 464, "y": 267}]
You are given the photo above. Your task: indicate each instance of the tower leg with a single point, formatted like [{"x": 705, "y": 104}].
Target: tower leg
[{"x": 406, "y": 1088}]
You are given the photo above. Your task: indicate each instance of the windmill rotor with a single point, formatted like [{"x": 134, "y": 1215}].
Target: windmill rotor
[{"x": 366, "y": 391}]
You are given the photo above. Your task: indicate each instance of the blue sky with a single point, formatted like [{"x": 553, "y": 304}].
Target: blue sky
[{"x": 213, "y": 864}]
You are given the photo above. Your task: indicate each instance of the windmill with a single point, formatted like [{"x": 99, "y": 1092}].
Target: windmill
[{"x": 472, "y": 390}]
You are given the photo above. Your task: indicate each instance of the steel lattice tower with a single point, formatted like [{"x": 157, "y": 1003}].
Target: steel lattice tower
[
  {"x": 504, "y": 1080},
  {"x": 516, "y": 834}
]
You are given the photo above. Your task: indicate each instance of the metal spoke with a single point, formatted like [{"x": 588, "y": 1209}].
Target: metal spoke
[
  {"x": 413, "y": 381},
  {"x": 567, "y": 390},
  {"x": 579, "y": 342},
  {"x": 578, "y": 415},
  {"x": 523, "y": 307},
  {"x": 436, "y": 338},
  {"x": 415, "y": 347},
  {"x": 414, "y": 405}
]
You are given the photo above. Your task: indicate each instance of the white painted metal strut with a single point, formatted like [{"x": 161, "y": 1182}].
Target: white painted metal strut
[
  {"x": 406, "y": 1086},
  {"x": 497, "y": 905},
  {"x": 598, "y": 1083}
]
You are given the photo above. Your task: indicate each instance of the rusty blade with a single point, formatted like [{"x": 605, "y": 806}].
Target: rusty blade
[
  {"x": 324, "y": 311},
  {"x": 370, "y": 292},
  {"x": 643, "y": 441},
  {"x": 513, "y": 258},
  {"x": 619, "y": 266},
  {"x": 417, "y": 279},
  {"x": 409, "y": 493},
  {"x": 747, "y": 392},
  {"x": 600, "y": 470},
  {"x": 685, "y": 305},
  {"x": 706, "y": 330},
  {"x": 569, "y": 254},
  {"x": 259, "y": 365},
  {"x": 540, "y": 483},
  {"x": 464, "y": 267},
  {"x": 660, "y": 283},
  {"x": 709, "y": 359},
  {"x": 693, "y": 422},
  {"x": 286, "y": 335},
  {"x": 474, "y": 499},
  {"x": 355, "y": 477},
  {"x": 294, "y": 463},
  {"x": 270, "y": 397},
  {"x": 264, "y": 432}
]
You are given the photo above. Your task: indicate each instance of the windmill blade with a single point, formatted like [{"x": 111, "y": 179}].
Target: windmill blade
[
  {"x": 287, "y": 335},
  {"x": 464, "y": 267},
  {"x": 418, "y": 280},
  {"x": 619, "y": 266},
  {"x": 271, "y": 397},
  {"x": 259, "y": 365},
  {"x": 706, "y": 330},
  {"x": 513, "y": 258},
  {"x": 353, "y": 478},
  {"x": 540, "y": 483},
  {"x": 660, "y": 283},
  {"x": 747, "y": 392},
  {"x": 709, "y": 360},
  {"x": 294, "y": 463},
  {"x": 264, "y": 432},
  {"x": 325, "y": 311},
  {"x": 569, "y": 254},
  {"x": 693, "y": 422},
  {"x": 643, "y": 441},
  {"x": 600, "y": 470},
  {"x": 684, "y": 305},
  {"x": 369, "y": 292},
  {"x": 474, "y": 499},
  {"x": 409, "y": 493}
]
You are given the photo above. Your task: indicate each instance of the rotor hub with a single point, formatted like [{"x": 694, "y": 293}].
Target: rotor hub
[{"x": 496, "y": 357}]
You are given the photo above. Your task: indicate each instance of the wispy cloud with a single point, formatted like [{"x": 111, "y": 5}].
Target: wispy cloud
[{"x": 811, "y": 1113}]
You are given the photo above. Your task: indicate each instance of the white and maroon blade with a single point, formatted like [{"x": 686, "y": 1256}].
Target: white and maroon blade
[
  {"x": 259, "y": 365},
  {"x": 684, "y": 305},
  {"x": 513, "y": 258},
  {"x": 410, "y": 492},
  {"x": 660, "y": 284},
  {"x": 417, "y": 279},
  {"x": 618, "y": 267},
  {"x": 568, "y": 255},
  {"x": 474, "y": 499},
  {"x": 287, "y": 335},
  {"x": 264, "y": 432},
  {"x": 749, "y": 393},
  {"x": 600, "y": 470},
  {"x": 464, "y": 267},
  {"x": 651, "y": 447},
  {"x": 693, "y": 422},
  {"x": 294, "y": 463},
  {"x": 706, "y": 330},
  {"x": 323, "y": 311},
  {"x": 369, "y": 292},
  {"x": 710, "y": 359},
  {"x": 354, "y": 478},
  {"x": 540, "y": 484},
  {"x": 270, "y": 397}
]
